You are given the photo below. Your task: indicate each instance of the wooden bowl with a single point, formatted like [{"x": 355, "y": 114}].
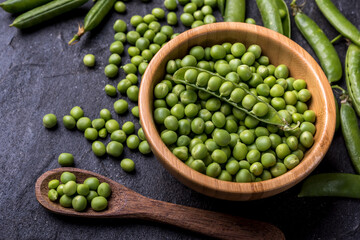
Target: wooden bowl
[{"x": 279, "y": 49}]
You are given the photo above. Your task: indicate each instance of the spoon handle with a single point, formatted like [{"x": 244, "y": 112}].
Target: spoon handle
[{"x": 218, "y": 225}]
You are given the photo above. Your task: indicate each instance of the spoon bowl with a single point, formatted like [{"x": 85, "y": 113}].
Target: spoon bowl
[{"x": 125, "y": 203}]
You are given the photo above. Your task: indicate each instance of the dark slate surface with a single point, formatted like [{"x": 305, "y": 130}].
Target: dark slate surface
[{"x": 40, "y": 74}]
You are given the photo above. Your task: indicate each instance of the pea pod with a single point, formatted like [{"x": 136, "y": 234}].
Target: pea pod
[
  {"x": 272, "y": 117},
  {"x": 19, "y": 6},
  {"x": 94, "y": 17},
  {"x": 234, "y": 11},
  {"x": 270, "y": 15},
  {"x": 352, "y": 77},
  {"x": 324, "y": 50},
  {"x": 338, "y": 21},
  {"x": 221, "y": 6},
  {"x": 331, "y": 185},
  {"x": 351, "y": 132},
  {"x": 285, "y": 20},
  {"x": 46, "y": 12}
]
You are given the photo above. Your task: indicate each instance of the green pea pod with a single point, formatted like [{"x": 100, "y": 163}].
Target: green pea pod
[
  {"x": 338, "y": 21},
  {"x": 94, "y": 17},
  {"x": 270, "y": 15},
  {"x": 235, "y": 11},
  {"x": 46, "y": 12},
  {"x": 351, "y": 133},
  {"x": 19, "y": 6},
  {"x": 324, "y": 50},
  {"x": 337, "y": 125},
  {"x": 331, "y": 185},
  {"x": 221, "y": 6},
  {"x": 272, "y": 117},
  {"x": 352, "y": 77},
  {"x": 286, "y": 23}
]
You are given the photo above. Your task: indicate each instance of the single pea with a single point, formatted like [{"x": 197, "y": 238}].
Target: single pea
[
  {"x": 299, "y": 84},
  {"x": 156, "y": 26},
  {"x": 253, "y": 156},
  {"x": 121, "y": 106},
  {"x": 66, "y": 159},
  {"x": 89, "y": 60},
  {"x": 127, "y": 165},
  {"x": 98, "y": 148},
  {"x": 120, "y": 7},
  {"x": 171, "y": 123},
  {"x": 111, "y": 70},
  {"x": 132, "y": 36},
  {"x": 65, "y": 201},
  {"x": 98, "y": 123},
  {"x": 133, "y": 93},
  {"x": 213, "y": 170},
  {"x": 123, "y": 85},
  {"x": 53, "y": 184},
  {"x": 187, "y": 19},
  {"x": 112, "y": 125},
  {"x": 79, "y": 203},
  {"x": 291, "y": 161},
  {"x": 148, "y": 18},
  {"x": 243, "y": 176},
  {"x": 256, "y": 168},
  {"x": 66, "y": 177},
  {"x": 60, "y": 189},
  {"x": 309, "y": 116},
  {"x": 172, "y": 18},
  {"x": 158, "y": 13},
  {"x": 281, "y": 71},
  {"x": 91, "y": 134},
  {"x": 104, "y": 190},
  {"x": 49, "y": 120},
  {"x": 198, "y": 126},
  {"x": 260, "y": 109},
  {"x": 117, "y": 47},
  {"x": 209, "y": 19},
  {"x": 114, "y": 149},
  {"x": 170, "y": 4},
  {"x": 199, "y": 151},
  {"x": 99, "y": 203},
  {"x": 306, "y": 139},
  {"x": 282, "y": 150},
  {"x": 120, "y": 36},
  {"x": 83, "y": 189},
  {"x": 132, "y": 142},
  {"x": 250, "y": 21},
  {"x": 53, "y": 195},
  {"x": 69, "y": 122},
  {"x": 115, "y": 59},
  {"x": 70, "y": 188},
  {"x": 92, "y": 183},
  {"x": 169, "y": 137},
  {"x": 198, "y": 165},
  {"x": 120, "y": 26},
  {"x": 144, "y": 147},
  {"x": 247, "y": 137},
  {"x": 304, "y": 95},
  {"x": 110, "y": 90},
  {"x": 105, "y": 114},
  {"x": 128, "y": 127},
  {"x": 248, "y": 58},
  {"x": 92, "y": 194},
  {"x": 136, "y": 20},
  {"x": 278, "y": 169},
  {"x": 83, "y": 123},
  {"x": 268, "y": 160}
]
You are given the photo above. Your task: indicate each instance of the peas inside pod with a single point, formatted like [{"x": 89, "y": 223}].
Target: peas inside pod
[{"x": 230, "y": 114}]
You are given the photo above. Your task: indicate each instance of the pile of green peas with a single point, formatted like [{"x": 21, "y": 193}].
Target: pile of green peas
[
  {"x": 79, "y": 195},
  {"x": 197, "y": 12},
  {"x": 221, "y": 141}
]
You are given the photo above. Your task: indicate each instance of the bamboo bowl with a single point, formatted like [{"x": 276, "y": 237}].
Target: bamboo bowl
[{"x": 279, "y": 49}]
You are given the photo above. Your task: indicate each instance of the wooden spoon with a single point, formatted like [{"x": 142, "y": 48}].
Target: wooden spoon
[{"x": 125, "y": 203}]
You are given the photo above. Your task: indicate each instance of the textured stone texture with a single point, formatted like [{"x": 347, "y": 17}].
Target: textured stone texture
[{"x": 40, "y": 74}]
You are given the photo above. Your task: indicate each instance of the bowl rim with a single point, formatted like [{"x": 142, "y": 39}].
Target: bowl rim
[{"x": 212, "y": 186}]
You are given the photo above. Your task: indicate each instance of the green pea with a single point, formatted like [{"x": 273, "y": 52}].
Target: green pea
[
  {"x": 65, "y": 201},
  {"x": 66, "y": 177},
  {"x": 111, "y": 70},
  {"x": 120, "y": 36},
  {"x": 222, "y": 137},
  {"x": 144, "y": 147},
  {"x": 136, "y": 20},
  {"x": 98, "y": 148},
  {"x": 199, "y": 151},
  {"x": 83, "y": 123},
  {"x": 148, "y": 18},
  {"x": 170, "y": 4},
  {"x": 70, "y": 188},
  {"x": 53, "y": 195},
  {"x": 247, "y": 137},
  {"x": 98, "y": 123},
  {"x": 92, "y": 183},
  {"x": 99, "y": 203},
  {"x": 133, "y": 93},
  {"x": 69, "y": 122},
  {"x": 209, "y": 19},
  {"x": 89, "y": 60},
  {"x": 132, "y": 142},
  {"x": 268, "y": 160},
  {"x": 53, "y": 184},
  {"x": 291, "y": 161},
  {"x": 104, "y": 190},
  {"x": 243, "y": 176},
  {"x": 278, "y": 169},
  {"x": 250, "y": 21},
  {"x": 82, "y": 189},
  {"x": 105, "y": 114},
  {"x": 121, "y": 106},
  {"x": 91, "y": 134},
  {"x": 213, "y": 170},
  {"x": 282, "y": 150},
  {"x": 281, "y": 71},
  {"x": 128, "y": 127},
  {"x": 256, "y": 168},
  {"x": 198, "y": 126},
  {"x": 169, "y": 137},
  {"x": 127, "y": 165},
  {"x": 92, "y": 194},
  {"x": 158, "y": 13},
  {"x": 306, "y": 139},
  {"x": 103, "y": 133},
  {"x": 49, "y": 120},
  {"x": 299, "y": 84},
  {"x": 248, "y": 58},
  {"x": 172, "y": 18},
  {"x": 156, "y": 26},
  {"x": 120, "y": 7},
  {"x": 114, "y": 149},
  {"x": 198, "y": 165}
]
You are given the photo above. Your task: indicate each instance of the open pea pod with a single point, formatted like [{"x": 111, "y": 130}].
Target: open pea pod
[
  {"x": 286, "y": 24},
  {"x": 272, "y": 117}
]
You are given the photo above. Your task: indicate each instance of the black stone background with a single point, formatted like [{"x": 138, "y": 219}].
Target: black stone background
[{"x": 40, "y": 74}]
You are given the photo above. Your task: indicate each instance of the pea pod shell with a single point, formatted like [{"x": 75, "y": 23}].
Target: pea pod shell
[
  {"x": 272, "y": 117},
  {"x": 235, "y": 11},
  {"x": 19, "y": 6},
  {"x": 324, "y": 50},
  {"x": 270, "y": 15},
  {"x": 221, "y": 6},
  {"x": 338, "y": 21},
  {"x": 352, "y": 77},
  {"x": 286, "y": 23},
  {"x": 46, "y": 12},
  {"x": 351, "y": 133},
  {"x": 97, "y": 13},
  {"x": 331, "y": 185}
]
